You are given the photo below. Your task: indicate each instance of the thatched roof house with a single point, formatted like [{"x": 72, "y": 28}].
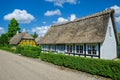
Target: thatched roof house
[
  {"x": 22, "y": 39},
  {"x": 90, "y": 29},
  {"x": 94, "y": 36}
]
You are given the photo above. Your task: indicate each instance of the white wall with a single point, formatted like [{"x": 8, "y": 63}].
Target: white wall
[{"x": 108, "y": 48}]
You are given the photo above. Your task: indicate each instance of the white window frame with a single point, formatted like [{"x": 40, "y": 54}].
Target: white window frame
[
  {"x": 91, "y": 48},
  {"x": 79, "y": 50},
  {"x": 52, "y": 47},
  {"x": 68, "y": 48}
]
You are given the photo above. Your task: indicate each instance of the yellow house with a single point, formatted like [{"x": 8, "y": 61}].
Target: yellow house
[{"x": 22, "y": 39}]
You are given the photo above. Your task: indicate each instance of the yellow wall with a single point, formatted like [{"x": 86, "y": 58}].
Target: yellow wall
[{"x": 27, "y": 42}]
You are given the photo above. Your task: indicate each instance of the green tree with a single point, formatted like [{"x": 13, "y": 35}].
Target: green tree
[
  {"x": 35, "y": 35},
  {"x": 119, "y": 36},
  {"x": 4, "y": 40},
  {"x": 119, "y": 40},
  {"x": 13, "y": 27}
]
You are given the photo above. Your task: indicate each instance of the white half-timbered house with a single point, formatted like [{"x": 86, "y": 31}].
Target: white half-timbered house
[{"x": 91, "y": 36}]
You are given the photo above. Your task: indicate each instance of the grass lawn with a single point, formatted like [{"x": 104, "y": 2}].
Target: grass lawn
[{"x": 118, "y": 59}]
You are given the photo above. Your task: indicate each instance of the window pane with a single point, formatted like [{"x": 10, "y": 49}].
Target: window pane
[
  {"x": 77, "y": 49},
  {"x": 67, "y": 48},
  {"x": 70, "y": 48},
  {"x": 94, "y": 49},
  {"x": 81, "y": 49},
  {"x": 89, "y": 49}
]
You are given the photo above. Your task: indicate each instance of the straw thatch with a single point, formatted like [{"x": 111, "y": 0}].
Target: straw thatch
[
  {"x": 16, "y": 39},
  {"x": 90, "y": 29},
  {"x": 38, "y": 40}
]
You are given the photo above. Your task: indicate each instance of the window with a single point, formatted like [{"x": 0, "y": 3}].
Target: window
[
  {"x": 53, "y": 48},
  {"x": 89, "y": 49},
  {"x": 46, "y": 47},
  {"x": 92, "y": 49},
  {"x": 24, "y": 40},
  {"x": 79, "y": 48},
  {"x": 110, "y": 32},
  {"x": 69, "y": 48},
  {"x": 43, "y": 47},
  {"x": 31, "y": 40}
]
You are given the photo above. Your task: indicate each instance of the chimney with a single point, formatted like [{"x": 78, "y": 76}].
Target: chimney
[{"x": 17, "y": 32}]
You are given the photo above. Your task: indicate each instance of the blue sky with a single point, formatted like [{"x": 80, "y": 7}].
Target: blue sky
[{"x": 39, "y": 15}]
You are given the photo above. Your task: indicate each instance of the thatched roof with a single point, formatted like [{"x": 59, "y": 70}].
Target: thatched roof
[
  {"x": 16, "y": 39},
  {"x": 90, "y": 29},
  {"x": 38, "y": 40}
]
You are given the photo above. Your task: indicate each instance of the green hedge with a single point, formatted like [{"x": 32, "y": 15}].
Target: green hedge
[
  {"x": 28, "y": 53},
  {"x": 7, "y": 49},
  {"x": 19, "y": 49},
  {"x": 106, "y": 68}
]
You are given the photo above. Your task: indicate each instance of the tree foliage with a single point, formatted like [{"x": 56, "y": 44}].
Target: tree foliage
[
  {"x": 13, "y": 27},
  {"x": 3, "y": 39},
  {"x": 119, "y": 35},
  {"x": 35, "y": 35},
  {"x": 119, "y": 40}
]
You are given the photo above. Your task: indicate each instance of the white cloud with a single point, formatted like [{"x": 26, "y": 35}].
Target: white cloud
[
  {"x": 117, "y": 10},
  {"x": 118, "y": 19},
  {"x": 1, "y": 30},
  {"x": 61, "y": 19},
  {"x": 117, "y": 13},
  {"x": 61, "y": 2},
  {"x": 41, "y": 30},
  {"x": 72, "y": 17},
  {"x": 52, "y": 12},
  {"x": 22, "y": 16}
]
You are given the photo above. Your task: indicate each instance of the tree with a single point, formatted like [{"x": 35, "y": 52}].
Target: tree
[
  {"x": 13, "y": 27},
  {"x": 119, "y": 39},
  {"x": 35, "y": 35},
  {"x": 3, "y": 39}
]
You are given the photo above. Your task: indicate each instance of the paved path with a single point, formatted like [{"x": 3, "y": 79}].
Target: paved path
[{"x": 15, "y": 67}]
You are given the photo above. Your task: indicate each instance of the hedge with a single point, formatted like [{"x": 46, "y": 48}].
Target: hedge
[
  {"x": 29, "y": 53},
  {"x": 106, "y": 68},
  {"x": 7, "y": 49},
  {"x": 19, "y": 49}
]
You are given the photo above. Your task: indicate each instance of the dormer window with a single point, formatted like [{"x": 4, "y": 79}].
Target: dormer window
[{"x": 110, "y": 34}]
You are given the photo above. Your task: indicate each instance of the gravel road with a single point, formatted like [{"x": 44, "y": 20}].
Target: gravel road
[{"x": 16, "y": 67}]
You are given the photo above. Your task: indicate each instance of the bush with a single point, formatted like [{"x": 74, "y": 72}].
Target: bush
[
  {"x": 19, "y": 49},
  {"x": 7, "y": 49},
  {"x": 106, "y": 68},
  {"x": 28, "y": 47},
  {"x": 28, "y": 53}
]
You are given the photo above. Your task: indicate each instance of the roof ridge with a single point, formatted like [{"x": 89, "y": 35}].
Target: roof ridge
[{"x": 107, "y": 11}]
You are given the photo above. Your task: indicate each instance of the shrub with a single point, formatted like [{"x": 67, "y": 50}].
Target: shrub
[
  {"x": 106, "y": 68},
  {"x": 7, "y": 49},
  {"x": 28, "y": 47},
  {"x": 28, "y": 53},
  {"x": 19, "y": 49}
]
